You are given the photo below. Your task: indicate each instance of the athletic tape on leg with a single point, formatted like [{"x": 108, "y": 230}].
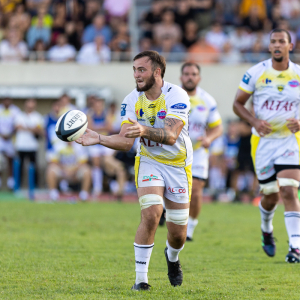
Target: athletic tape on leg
[
  {"x": 269, "y": 188},
  {"x": 177, "y": 216},
  {"x": 288, "y": 182},
  {"x": 149, "y": 200}
]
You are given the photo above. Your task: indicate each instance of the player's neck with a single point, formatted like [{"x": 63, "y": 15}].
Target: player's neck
[
  {"x": 155, "y": 91},
  {"x": 280, "y": 66},
  {"x": 191, "y": 93}
]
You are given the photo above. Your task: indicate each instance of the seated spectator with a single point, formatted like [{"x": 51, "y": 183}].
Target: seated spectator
[
  {"x": 216, "y": 36},
  {"x": 91, "y": 8},
  {"x": 203, "y": 52},
  {"x": 73, "y": 36},
  {"x": 190, "y": 33},
  {"x": 69, "y": 163},
  {"x": 240, "y": 39},
  {"x": 167, "y": 27},
  {"x": 289, "y": 8},
  {"x": 94, "y": 53},
  {"x": 256, "y": 54},
  {"x": 246, "y": 6},
  {"x": 7, "y": 7},
  {"x": 38, "y": 32},
  {"x": 172, "y": 51},
  {"x": 13, "y": 49},
  {"x": 97, "y": 28},
  {"x": 22, "y": 18},
  {"x": 39, "y": 52},
  {"x": 58, "y": 28},
  {"x": 203, "y": 12},
  {"x": 227, "y": 11},
  {"x": 253, "y": 20},
  {"x": 230, "y": 55},
  {"x": 29, "y": 127},
  {"x": 145, "y": 44},
  {"x": 183, "y": 13},
  {"x": 121, "y": 42},
  {"x": 284, "y": 24},
  {"x": 42, "y": 14},
  {"x": 275, "y": 16},
  {"x": 62, "y": 52}
]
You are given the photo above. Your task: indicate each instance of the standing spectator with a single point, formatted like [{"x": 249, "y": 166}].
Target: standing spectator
[
  {"x": 190, "y": 33},
  {"x": 62, "y": 52},
  {"x": 29, "y": 126},
  {"x": 121, "y": 42},
  {"x": 38, "y": 32},
  {"x": 8, "y": 115},
  {"x": 97, "y": 28},
  {"x": 167, "y": 27},
  {"x": 94, "y": 53},
  {"x": 216, "y": 36},
  {"x": 13, "y": 49}
]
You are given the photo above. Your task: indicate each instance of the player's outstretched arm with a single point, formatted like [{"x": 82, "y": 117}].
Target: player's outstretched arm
[
  {"x": 116, "y": 141},
  {"x": 167, "y": 135}
]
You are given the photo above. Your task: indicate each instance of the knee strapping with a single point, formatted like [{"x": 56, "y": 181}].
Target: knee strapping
[
  {"x": 149, "y": 200},
  {"x": 288, "y": 182},
  {"x": 177, "y": 216},
  {"x": 269, "y": 188}
]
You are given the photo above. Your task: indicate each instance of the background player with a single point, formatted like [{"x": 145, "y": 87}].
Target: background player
[
  {"x": 275, "y": 85},
  {"x": 204, "y": 127},
  {"x": 156, "y": 112}
]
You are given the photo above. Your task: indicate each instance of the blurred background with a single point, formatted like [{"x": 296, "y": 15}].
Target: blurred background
[{"x": 65, "y": 54}]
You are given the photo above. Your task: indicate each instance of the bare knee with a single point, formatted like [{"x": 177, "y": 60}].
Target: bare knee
[{"x": 287, "y": 192}]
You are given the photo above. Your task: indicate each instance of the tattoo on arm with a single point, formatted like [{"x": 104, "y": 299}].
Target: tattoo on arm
[{"x": 166, "y": 135}]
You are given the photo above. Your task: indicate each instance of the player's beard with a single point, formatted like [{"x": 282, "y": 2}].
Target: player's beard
[
  {"x": 189, "y": 88},
  {"x": 148, "y": 85},
  {"x": 278, "y": 59}
]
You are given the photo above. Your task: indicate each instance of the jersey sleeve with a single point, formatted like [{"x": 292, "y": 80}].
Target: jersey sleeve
[
  {"x": 127, "y": 110},
  {"x": 178, "y": 105},
  {"x": 247, "y": 83},
  {"x": 214, "y": 117}
]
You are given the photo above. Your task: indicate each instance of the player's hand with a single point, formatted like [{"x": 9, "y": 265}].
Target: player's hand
[
  {"x": 262, "y": 127},
  {"x": 135, "y": 130},
  {"x": 293, "y": 125},
  {"x": 205, "y": 141},
  {"x": 89, "y": 138}
]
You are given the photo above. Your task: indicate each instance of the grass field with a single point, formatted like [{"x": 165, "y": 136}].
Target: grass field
[{"x": 85, "y": 251}]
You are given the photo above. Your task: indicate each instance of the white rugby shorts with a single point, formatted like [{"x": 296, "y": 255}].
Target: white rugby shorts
[
  {"x": 272, "y": 155},
  {"x": 200, "y": 163},
  {"x": 177, "y": 181},
  {"x": 99, "y": 150},
  {"x": 7, "y": 147}
]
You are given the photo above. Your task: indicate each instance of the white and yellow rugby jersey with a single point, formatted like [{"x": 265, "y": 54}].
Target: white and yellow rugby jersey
[
  {"x": 204, "y": 113},
  {"x": 172, "y": 103},
  {"x": 276, "y": 95}
]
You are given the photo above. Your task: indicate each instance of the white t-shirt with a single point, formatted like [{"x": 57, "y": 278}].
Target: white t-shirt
[
  {"x": 26, "y": 140},
  {"x": 88, "y": 54},
  {"x": 276, "y": 95},
  {"x": 61, "y": 54},
  {"x": 13, "y": 54},
  {"x": 8, "y": 118},
  {"x": 204, "y": 113},
  {"x": 172, "y": 103}
]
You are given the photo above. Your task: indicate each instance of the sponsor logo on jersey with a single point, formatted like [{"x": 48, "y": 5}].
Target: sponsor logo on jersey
[
  {"x": 293, "y": 83},
  {"x": 152, "y": 120},
  {"x": 278, "y": 105},
  {"x": 280, "y": 88},
  {"x": 123, "y": 110},
  {"x": 162, "y": 114},
  {"x": 139, "y": 112},
  {"x": 266, "y": 170},
  {"x": 169, "y": 89},
  {"x": 179, "y": 106},
  {"x": 246, "y": 78},
  {"x": 152, "y": 106},
  {"x": 280, "y": 76},
  {"x": 267, "y": 81},
  {"x": 288, "y": 153},
  {"x": 177, "y": 190},
  {"x": 150, "y": 178}
]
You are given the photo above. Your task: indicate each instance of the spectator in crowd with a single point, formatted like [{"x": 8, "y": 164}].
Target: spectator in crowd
[
  {"x": 275, "y": 16},
  {"x": 167, "y": 27},
  {"x": 171, "y": 50},
  {"x": 22, "y": 18},
  {"x": 190, "y": 33},
  {"x": 42, "y": 14},
  {"x": 284, "y": 24},
  {"x": 73, "y": 35},
  {"x": 69, "y": 163},
  {"x": 241, "y": 39},
  {"x": 203, "y": 10},
  {"x": 58, "y": 28},
  {"x": 289, "y": 8},
  {"x": 227, "y": 11},
  {"x": 256, "y": 53},
  {"x": 145, "y": 44},
  {"x": 38, "y": 32},
  {"x": 230, "y": 55},
  {"x": 97, "y": 28},
  {"x": 117, "y": 9},
  {"x": 13, "y": 49},
  {"x": 253, "y": 20},
  {"x": 91, "y": 9},
  {"x": 7, "y": 7},
  {"x": 30, "y": 127},
  {"x": 39, "y": 53},
  {"x": 216, "y": 36},
  {"x": 95, "y": 52},
  {"x": 62, "y": 52},
  {"x": 120, "y": 43},
  {"x": 33, "y": 6},
  {"x": 247, "y": 5},
  {"x": 203, "y": 52},
  {"x": 183, "y": 13},
  {"x": 65, "y": 104},
  {"x": 8, "y": 116}
]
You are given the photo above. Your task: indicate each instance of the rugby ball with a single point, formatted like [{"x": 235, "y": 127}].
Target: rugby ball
[{"x": 71, "y": 125}]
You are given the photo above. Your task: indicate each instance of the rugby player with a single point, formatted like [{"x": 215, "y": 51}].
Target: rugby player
[
  {"x": 275, "y": 85},
  {"x": 205, "y": 126},
  {"x": 156, "y": 112}
]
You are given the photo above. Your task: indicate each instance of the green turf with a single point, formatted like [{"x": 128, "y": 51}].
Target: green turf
[{"x": 85, "y": 251}]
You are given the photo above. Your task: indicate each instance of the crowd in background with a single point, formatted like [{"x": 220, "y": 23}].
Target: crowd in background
[
  {"x": 90, "y": 31},
  {"x": 92, "y": 171}
]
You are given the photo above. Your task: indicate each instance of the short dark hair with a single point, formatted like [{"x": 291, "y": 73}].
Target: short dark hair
[
  {"x": 157, "y": 60},
  {"x": 282, "y": 30},
  {"x": 190, "y": 64}
]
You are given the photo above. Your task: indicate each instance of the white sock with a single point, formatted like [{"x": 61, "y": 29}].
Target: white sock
[
  {"x": 54, "y": 195},
  {"x": 173, "y": 253},
  {"x": 192, "y": 223},
  {"x": 142, "y": 259},
  {"x": 292, "y": 224},
  {"x": 266, "y": 219},
  {"x": 97, "y": 176},
  {"x": 83, "y": 195}
]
